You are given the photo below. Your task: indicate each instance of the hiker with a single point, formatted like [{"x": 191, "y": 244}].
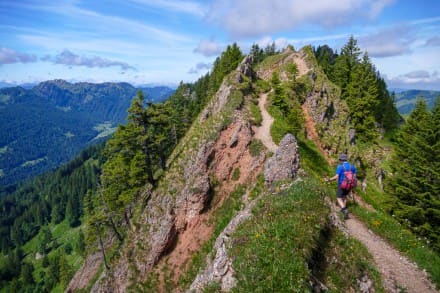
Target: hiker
[{"x": 342, "y": 191}]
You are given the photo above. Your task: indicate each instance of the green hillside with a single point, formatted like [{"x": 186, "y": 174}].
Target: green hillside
[
  {"x": 49, "y": 124},
  {"x": 183, "y": 197},
  {"x": 406, "y": 100}
]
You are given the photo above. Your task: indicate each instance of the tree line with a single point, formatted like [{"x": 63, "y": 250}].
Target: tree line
[
  {"x": 414, "y": 181},
  {"x": 370, "y": 104}
]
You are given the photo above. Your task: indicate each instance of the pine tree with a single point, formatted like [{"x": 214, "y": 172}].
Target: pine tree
[
  {"x": 279, "y": 96},
  {"x": 345, "y": 64},
  {"x": 362, "y": 99},
  {"x": 26, "y": 274},
  {"x": 326, "y": 59},
  {"x": 388, "y": 115},
  {"x": 257, "y": 54},
  {"x": 415, "y": 174}
]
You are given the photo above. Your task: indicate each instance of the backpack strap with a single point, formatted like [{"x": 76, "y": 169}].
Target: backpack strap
[{"x": 349, "y": 167}]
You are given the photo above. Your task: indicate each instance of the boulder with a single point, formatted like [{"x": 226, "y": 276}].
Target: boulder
[{"x": 284, "y": 164}]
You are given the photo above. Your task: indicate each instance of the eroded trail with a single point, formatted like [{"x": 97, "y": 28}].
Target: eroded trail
[
  {"x": 397, "y": 272},
  {"x": 263, "y": 132}
]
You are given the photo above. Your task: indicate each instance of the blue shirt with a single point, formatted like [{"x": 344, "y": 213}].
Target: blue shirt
[{"x": 345, "y": 166}]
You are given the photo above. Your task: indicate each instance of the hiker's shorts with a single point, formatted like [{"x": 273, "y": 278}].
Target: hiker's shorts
[{"x": 340, "y": 193}]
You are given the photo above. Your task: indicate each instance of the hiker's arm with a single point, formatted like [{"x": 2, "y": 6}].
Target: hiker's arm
[{"x": 333, "y": 178}]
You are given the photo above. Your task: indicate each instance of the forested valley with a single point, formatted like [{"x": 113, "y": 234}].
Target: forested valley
[{"x": 50, "y": 224}]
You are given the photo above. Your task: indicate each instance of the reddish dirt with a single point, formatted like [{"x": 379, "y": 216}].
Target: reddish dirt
[
  {"x": 313, "y": 135},
  {"x": 190, "y": 241},
  {"x": 226, "y": 159}
]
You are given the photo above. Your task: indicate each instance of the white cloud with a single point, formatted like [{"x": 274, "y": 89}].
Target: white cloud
[
  {"x": 418, "y": 79},
  {"x": 208, "y": 48},
  {"x": 434, "y": 41},
  {"x": 87, "y": 20},
  {"x": 188, "y": 7},
  {"x": 9, "y": 56},
  {"x": 70, "y": 59},
  {"x": 388, "y": 42},
  {"x": 418, "y": 74},
  {"x": 258, "y": 17},
  {"x": 280, "y": 43},
  {"x": 200, "y": 67}
]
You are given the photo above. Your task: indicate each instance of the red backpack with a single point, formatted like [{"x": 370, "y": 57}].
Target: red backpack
[{"x": 349, "y": 181}]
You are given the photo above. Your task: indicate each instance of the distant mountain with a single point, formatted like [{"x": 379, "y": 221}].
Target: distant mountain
[
  {"x": 23, "y": 85},
  {"x": 42, "y": 127},
  {"x": 406, "y": 99}
]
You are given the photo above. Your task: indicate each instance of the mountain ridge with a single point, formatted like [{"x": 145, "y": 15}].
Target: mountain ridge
[
  {"x": 230, "y": 211},
  {"x": 406, "y": 99},
  {"x": 47, "y": 125}
]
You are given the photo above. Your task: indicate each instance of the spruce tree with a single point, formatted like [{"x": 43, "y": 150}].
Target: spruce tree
[
  {"x": 345, "y": 64},
  {"x": 415, "y": 174},
  {"x": 362, "y": 99}
]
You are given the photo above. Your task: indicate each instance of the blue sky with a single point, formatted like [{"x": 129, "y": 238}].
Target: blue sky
[{"x": 165, "y": 42}]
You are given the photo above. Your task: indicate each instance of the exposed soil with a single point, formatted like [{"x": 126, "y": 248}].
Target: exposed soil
[
  {"x": 301, "y": 64},
  {"x": 398, "y": 273},
  {"x": 227, "y": 158},
  {"x": 263, "y": 132},
  {"x": 312, "y": 134}
]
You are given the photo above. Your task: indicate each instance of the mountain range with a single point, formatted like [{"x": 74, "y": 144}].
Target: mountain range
[
  {"x": 406, "y": 99},
  {"x": 224, "y": 188},
  {"x": 50, "y": 123}
]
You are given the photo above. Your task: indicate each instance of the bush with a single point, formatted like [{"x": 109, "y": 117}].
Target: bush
[
  {"x": 256, "y": 118},
  {"x": 236, "y": 174},
  {"x": 255, "y": 147}
]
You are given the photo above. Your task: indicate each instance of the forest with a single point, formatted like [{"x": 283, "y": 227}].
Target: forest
[
  {"x": 96, "y": 188},
  {"x": 70, "y": 117},
  {"x": 97, "y": 191}
]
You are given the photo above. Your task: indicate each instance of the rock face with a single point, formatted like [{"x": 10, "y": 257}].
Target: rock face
[
  {"x": 195, "y": 194},
  {"x": 220, "y": 269},
  {"x": 284, "y": 164},
  {"x": 84, "y": 275}
]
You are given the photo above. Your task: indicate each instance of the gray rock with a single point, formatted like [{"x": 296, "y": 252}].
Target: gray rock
[
  {"x": 284, "y": 164},
  {"x": 365, "y": 284},
  {"x": 234, "y": 137}
]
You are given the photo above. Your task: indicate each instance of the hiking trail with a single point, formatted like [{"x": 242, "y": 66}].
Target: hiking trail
[
  {"x": 263, "y": 132},
  {"x": 398, "y": 273}
]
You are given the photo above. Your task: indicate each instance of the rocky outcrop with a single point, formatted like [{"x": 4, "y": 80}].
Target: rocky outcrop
[
  {"x": 216, "y": 104},
  {"x": 85, "y": 274},
  {"x": 219, "y": 269},
  {"x": 195, "y": 194},
  {"x": 245, "y": 69},
  {"x": 284, "y": 164}
]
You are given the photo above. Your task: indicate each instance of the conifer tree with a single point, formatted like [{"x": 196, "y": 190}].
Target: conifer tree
[
  {"x": 415, "y": 174},
  {"x": 326, "y": 59},
  {"x": 279, "y": 96},
  {"x": 362, "y": 99},
  {"x": 345, "y": 64},
  {"x": 257, "y": 54}
]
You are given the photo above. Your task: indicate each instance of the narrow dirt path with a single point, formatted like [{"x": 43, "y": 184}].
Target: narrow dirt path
[
  {"x": 263, "y": 132},
  {"x": 398, "y": 273}
]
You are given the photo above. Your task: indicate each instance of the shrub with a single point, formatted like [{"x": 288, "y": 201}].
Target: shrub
[{"x": 255, "y": 147}]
